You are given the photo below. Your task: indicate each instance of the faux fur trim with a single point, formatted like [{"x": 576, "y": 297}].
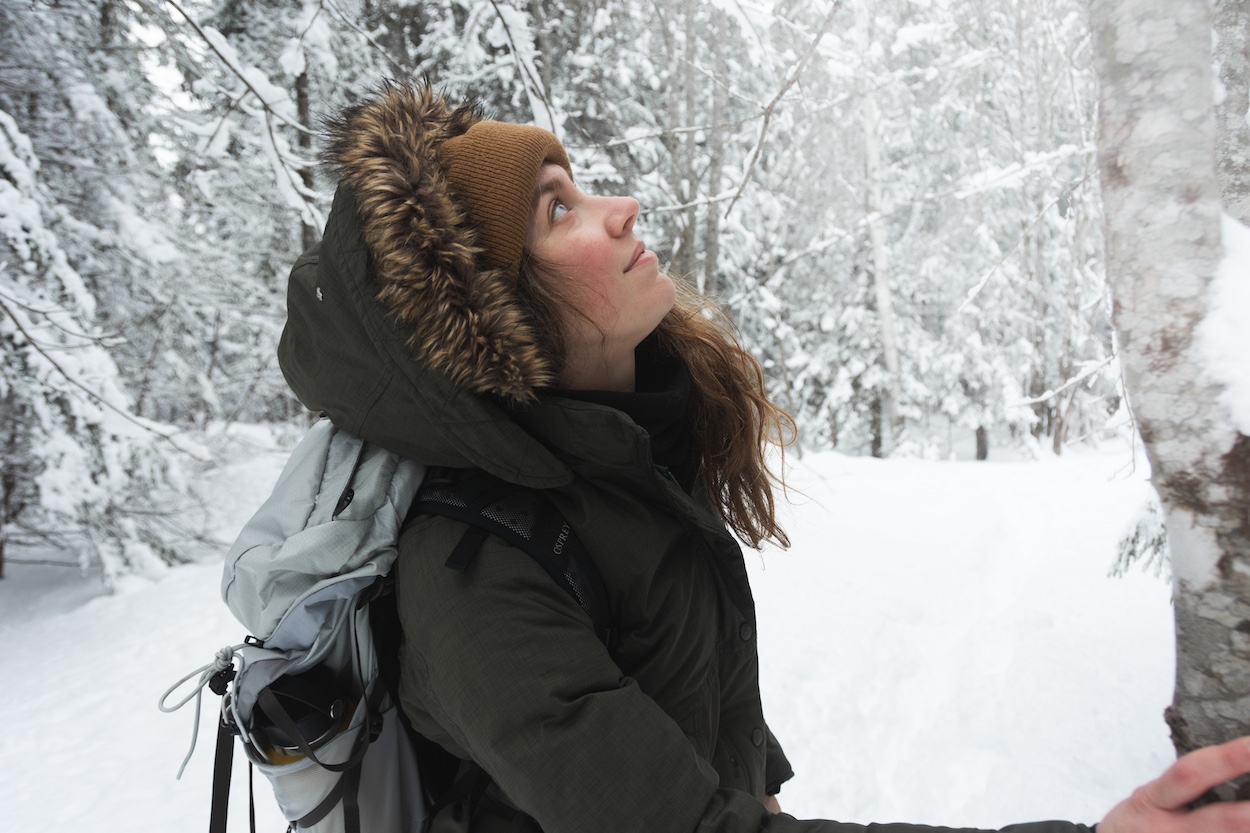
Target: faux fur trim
[{"x": 467, "y": 321}]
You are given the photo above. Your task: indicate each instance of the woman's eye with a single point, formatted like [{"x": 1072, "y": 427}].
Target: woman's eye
[{"x": 558, "y": 210}]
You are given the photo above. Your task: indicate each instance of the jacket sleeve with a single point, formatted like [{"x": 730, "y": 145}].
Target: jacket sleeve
[
  {"x": 777, "y": 769},
  {"x": 511, "y": 669}
]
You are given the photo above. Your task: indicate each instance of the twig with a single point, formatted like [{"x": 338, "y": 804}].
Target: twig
[
  {"x": 673, "y": 131},
  {"x": 40, "y": 562},
  {"x": 311, "y": 21},
  {"x": 348, "y": 22},
  {"x": 532, "y": 82},
  {"x": 976, "y": 290},
  {"x": 97, "y": 398},
  {"x": 312, "y": 216},
  {"x": 236, "y": 71},
  {"x": 101, "y": 339},
  {"x": 222, "y": 121},
  {"x": 796, "y": 71},
  {"x": 1075, "y": 380},
  {"x": 692, "y": 204}
]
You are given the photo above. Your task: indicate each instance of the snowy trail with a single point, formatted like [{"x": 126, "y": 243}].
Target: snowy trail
[
  {"x": 942, "y": 644},
  {"x": 968, "y": 660}
]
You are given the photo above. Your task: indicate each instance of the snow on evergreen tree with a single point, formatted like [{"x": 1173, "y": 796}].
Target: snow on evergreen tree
[
  {"x": 82, "y": 472},
  {"x": 988, "y": 218}
]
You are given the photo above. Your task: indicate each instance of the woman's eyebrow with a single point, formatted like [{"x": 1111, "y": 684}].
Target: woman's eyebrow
[{"x": 549, "y": 187}]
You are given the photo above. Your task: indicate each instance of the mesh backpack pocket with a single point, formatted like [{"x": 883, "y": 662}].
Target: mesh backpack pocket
[{"x": 337, "y": 773}]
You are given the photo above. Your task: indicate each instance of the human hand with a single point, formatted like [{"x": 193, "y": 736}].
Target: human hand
[
  {"x": 1162, "y": 806},
  {"x": 771, "y": 805}
]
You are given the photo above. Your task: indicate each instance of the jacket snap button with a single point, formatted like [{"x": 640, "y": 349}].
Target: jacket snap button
[
  {"x": 746, "y": 631},
  {"x": 757, "y": 737}
]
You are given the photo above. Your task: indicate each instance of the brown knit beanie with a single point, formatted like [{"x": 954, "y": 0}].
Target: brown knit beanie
[{"x": 493, "y": 168}]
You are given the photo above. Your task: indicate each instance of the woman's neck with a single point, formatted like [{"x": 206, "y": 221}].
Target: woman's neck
[{"x": 600, "y": 371}]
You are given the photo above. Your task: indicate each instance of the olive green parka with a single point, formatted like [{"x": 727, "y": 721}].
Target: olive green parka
[{"x": 404, "y": 342}]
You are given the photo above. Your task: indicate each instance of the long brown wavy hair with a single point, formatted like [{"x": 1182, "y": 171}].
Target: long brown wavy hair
[{"x": 735, "y": 422}]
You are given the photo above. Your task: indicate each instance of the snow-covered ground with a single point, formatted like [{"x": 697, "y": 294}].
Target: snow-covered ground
[{"x": 942, "y": 644}]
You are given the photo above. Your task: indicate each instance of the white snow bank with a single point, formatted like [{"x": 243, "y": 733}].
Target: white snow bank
[{"x": 943, "y": 644}]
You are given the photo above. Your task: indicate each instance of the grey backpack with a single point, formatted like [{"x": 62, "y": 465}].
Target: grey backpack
[{"x": 306, "y": 694}]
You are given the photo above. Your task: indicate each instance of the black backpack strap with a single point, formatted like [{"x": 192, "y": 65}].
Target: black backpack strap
[
  {"x": 524, "y": 518},
  {"x": 223, "y": 764},
  {"x": 437, "y": 766}
]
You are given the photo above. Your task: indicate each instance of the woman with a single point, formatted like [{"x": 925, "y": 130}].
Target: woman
[{"x": 469, "y": 307}]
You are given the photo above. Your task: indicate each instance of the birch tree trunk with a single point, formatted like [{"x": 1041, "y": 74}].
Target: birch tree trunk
[
  {"x": 1232, "y": 30},
  {"x": 1157, "y": 158},
  {"x": 877, "y": 235}
]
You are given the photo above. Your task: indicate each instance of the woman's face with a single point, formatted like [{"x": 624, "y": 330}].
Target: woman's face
[{"x": 587, "y": 244}]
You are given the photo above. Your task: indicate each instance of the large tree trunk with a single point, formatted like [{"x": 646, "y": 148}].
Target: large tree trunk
[
  {"x": 879, "y": 241},
  {"x": 1158, "y": 163}
]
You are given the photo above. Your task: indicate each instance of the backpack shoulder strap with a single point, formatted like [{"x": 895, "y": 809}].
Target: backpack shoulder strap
[{"x": 524, "y": 518}]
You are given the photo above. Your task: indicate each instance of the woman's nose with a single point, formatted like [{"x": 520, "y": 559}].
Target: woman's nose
[{"x": 621, "y": 214}]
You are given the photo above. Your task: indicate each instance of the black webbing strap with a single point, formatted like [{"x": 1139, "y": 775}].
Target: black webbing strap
[
  {"x": 223, "y": 767},
  {"x": 269, "y": 704},
  {"x": 223, "y": 764},
  {"x": 351, "y": 799},
  {"x": 471, "y": 496},
  {"x": 558, "y": 550},
  {"x": 347, "y": 788},
  {"x": 251, "y": 797},
  {"x": 328, "y": 803},
  {"x": 480, "y": 500},
  {"x": 466, "y": 549},
  {"x": 470, "y": 784}
]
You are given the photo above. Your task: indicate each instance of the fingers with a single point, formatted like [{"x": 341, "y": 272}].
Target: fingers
[
  {"x": 1197, "y": 772},
  {"x": 1221, "y": 817}
]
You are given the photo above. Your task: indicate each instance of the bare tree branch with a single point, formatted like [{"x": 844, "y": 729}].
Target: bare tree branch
[
  {"x": 531, "y": 83},
  {"x": 92, "y": 395},
  {"x": 347, "y": 21},
  {"x": 236, "y": 72},
  {"x": 794, "y": 74}
]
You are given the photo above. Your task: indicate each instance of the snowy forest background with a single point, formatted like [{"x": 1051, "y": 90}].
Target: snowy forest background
[{"x": 895, "y": 201}]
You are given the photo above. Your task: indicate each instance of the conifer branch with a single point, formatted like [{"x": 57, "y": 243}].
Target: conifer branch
[
  {"x": 92, "y": 395},
  {"x": 237, "y": 72},
  {"x": 531, "y": 81}
]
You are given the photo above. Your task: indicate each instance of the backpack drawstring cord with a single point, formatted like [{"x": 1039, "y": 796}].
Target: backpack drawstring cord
[{"x": 221, "y": 663}]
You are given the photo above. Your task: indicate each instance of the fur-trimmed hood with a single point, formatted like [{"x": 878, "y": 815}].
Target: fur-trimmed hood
[
  {"x": 466, "y": 317},
  {"x": 394, "y": 329}
]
